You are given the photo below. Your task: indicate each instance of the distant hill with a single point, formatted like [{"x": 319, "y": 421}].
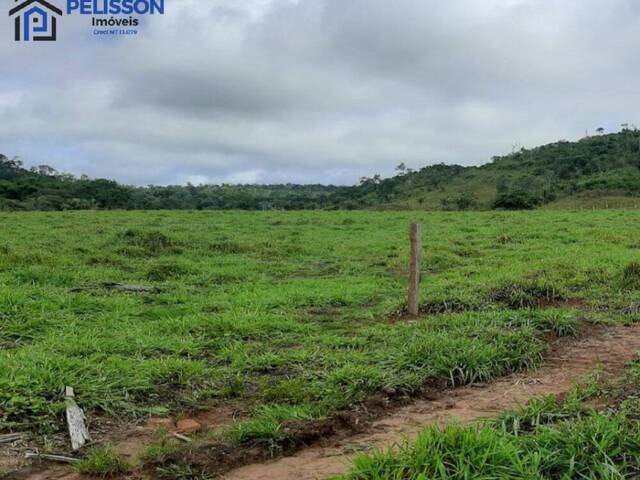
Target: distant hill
[
  {"x": 588, "y": 171},
  {"x": 600, "y": 171}
]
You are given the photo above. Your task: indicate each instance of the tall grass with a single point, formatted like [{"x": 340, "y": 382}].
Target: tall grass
[{"x": 596, "y": 447}]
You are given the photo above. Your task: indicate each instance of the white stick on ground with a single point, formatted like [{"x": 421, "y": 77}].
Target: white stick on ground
[
  {"x": 76, "y": 421},
  {"x": 11, "y": 437},
  {"x": 53, "y": 458},
  {"x": 184, "y": 438}
]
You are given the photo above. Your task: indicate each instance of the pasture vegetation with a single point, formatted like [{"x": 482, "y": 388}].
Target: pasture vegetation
[
  {"x": 289, "y": 317},
  {"x": 550, "y": 438}
]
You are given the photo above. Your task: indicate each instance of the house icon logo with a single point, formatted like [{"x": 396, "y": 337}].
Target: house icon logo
[{"x": 35, "y": 20}]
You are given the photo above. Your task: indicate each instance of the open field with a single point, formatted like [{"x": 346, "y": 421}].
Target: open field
[{"x": 288, "y": 319}]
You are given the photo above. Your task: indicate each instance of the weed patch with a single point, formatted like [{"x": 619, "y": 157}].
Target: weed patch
[
  {"x": 447, "y": 306},
  {"x": 525, "y": 294},
  {"x": 561, "y": 322},
  {"x": 163, "y": 271}
]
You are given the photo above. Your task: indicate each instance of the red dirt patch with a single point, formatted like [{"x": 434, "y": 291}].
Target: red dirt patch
[
  {"x": 188, "y": 425},
  {"x": 167, "y": 423}
]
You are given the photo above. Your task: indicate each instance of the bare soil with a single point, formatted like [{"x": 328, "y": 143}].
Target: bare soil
[{"x": 127, "y": 441}]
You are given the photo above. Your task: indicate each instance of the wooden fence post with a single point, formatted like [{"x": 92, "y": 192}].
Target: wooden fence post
[{"x": 414, "y": 269}]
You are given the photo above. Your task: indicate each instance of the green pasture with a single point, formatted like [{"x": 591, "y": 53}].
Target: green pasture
[{"x": 288, "y": 316}]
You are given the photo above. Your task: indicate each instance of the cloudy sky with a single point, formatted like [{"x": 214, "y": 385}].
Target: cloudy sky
[{"x": 317, "y": 90}]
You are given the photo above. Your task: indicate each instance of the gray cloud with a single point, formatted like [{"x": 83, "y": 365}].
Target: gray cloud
[{"x": 318, "y": 90}]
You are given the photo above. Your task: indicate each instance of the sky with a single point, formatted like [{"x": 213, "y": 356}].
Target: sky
[{"x": 316, "y": 91}]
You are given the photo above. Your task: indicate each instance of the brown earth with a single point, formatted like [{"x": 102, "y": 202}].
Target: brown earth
[{"x": 128, "y": 442}]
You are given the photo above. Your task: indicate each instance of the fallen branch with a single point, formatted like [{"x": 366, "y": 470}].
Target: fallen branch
[
  {"x": 76, "y": 421},
  {"x": 53, "y": 458},
  {"x": 184, "y": 438},
  {"x": 11, "y": 437}
]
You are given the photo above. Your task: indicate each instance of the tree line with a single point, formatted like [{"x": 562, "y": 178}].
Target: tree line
[{"x": 526, "y": 178}]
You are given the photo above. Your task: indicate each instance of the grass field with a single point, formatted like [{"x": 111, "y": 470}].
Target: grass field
[{"x": 288, "y": 317}]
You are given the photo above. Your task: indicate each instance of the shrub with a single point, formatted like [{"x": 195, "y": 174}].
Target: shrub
[
  {"x": 464, "y": 201},
  {"x": 516, "y": 200}
]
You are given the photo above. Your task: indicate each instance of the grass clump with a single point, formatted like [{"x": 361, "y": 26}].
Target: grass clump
[
  {"x": 596, "y": 447},
  {"x": 560, "y": 322},
  {"x": 181, "y": 472},
  {"x": 160, "y": 451},
  {"x": 152, "y": 242},
  {"x": 166, "y": 271},
  {"x": 454, "y": 453},
  {"x": 504, "y": 239},
  {"x": 541, "y": 411},
  {"x": 226, "y": 246},
  {"x": 102, "y": 462},
  {"x": 292, "y": 391},
  {"x": 267, "y": 427},
  {"x": 631, "y": 275},
  {"x": 525, "y": 294}
]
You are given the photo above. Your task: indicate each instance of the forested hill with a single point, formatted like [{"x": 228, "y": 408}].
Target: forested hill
[{"x": 603, "y": 168}]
